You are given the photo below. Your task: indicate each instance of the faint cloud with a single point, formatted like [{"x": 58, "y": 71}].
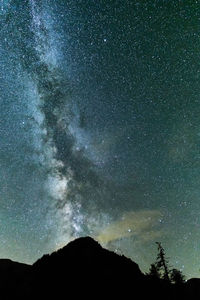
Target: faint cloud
[{"x": 142, "y": 224}]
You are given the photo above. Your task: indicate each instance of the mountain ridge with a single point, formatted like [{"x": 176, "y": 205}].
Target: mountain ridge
[{"x": 84, "y": 268}]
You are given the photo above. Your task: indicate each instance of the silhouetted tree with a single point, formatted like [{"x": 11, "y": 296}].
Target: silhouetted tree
[
  {"x": 177, "y": 276},
  {"x": 162, "y": 263},
  {"x": 160, "y": 268},
  {"x": 153, "y": 271}
]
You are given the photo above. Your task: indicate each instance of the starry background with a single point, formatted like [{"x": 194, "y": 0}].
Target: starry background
[{"x": 100, "y": 128}]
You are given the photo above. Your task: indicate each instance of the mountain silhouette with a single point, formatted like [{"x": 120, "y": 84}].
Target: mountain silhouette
[
  {"x": 12, "y": 276},
  {"x": 83, "y": 268}
]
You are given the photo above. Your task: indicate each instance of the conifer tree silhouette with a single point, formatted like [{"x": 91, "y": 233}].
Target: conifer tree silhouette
[
  {"x": 161, "y": 263},
  {"x": 153, "y": 271},
  {"x": 177, "y": 276},
  {"x": 160, "y": 268}
]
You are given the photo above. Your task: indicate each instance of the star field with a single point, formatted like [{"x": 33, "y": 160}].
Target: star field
[{"x": 100, "y": 128}]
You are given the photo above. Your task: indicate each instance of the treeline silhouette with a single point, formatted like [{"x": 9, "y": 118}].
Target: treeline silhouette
[
  {"x": 83, "y": 269},
  {"x": 160, "y": 268}
]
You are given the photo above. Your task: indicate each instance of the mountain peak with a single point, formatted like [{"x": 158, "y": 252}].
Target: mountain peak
[
  {"x": 82, "y": 243},
  {"x": 84, "y": 253},
  {"x": 85, "y": 269}
]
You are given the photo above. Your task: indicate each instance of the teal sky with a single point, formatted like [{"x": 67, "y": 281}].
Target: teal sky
[{"x": 100, "y": 128}]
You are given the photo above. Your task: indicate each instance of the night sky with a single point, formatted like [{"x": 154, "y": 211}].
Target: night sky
[{"x": 100, "y": 128}]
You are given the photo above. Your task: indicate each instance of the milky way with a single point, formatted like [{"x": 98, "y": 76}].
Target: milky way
[{"x": 99, "y": 128}]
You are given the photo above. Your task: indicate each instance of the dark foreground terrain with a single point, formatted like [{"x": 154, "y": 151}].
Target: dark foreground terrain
[{"x": 83, "y": 269}]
